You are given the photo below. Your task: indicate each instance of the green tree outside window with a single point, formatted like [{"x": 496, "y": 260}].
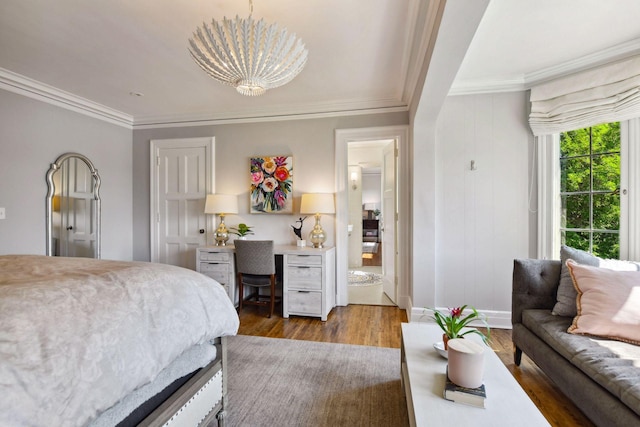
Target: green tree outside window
[{"x": 590, "y": 189}]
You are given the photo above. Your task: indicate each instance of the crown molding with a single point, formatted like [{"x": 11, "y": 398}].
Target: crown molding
[
  {"x": 527, "y": 81},
  {"x": 422, "y": 38},
  {"x": 16, "y": 83},
  {"x": 609, "y": 55},
  {"x": 487, "y": 86},
  {"x": 26, "y": 86},
  {"x": 271, "y": 114}
]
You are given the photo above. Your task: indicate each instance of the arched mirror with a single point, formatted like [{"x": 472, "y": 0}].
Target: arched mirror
[{"x": 73, "y": 207}]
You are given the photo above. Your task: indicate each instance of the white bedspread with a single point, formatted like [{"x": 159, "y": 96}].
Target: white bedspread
[{"x": 77, "y": 334}]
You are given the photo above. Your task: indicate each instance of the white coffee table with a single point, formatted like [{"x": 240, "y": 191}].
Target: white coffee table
[{"x": 423, "y": 378}]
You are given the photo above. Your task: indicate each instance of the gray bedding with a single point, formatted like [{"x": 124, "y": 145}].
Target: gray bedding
[
  {"x": 192, "y": 359},
  {"x": 78, "y": 335}
]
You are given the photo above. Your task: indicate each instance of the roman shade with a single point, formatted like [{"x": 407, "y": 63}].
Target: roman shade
[{"x": 608, "y": 93}]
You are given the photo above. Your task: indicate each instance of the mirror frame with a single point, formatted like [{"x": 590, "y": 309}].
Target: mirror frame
[{"x": 56, "y": 166}]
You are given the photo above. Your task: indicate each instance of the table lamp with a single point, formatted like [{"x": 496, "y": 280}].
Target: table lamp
[
  {"x": 316, "y": 204},
  {"x": 221, "y": 204}
]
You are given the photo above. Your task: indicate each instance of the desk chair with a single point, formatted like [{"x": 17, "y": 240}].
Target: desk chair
[{"x": 256, "y": 265}]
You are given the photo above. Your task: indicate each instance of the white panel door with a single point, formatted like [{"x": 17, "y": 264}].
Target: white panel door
[
  {"x": 77, "y": 234},
  {"x": 389, "y": 220},
  {"x": 182, "y": 180}
]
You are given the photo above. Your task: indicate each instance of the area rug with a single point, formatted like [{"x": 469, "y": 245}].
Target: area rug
[
  {"x": 363, "y": 278},
  {"x": 369, "y": 247},
  {"x": 282, "y": 382}
]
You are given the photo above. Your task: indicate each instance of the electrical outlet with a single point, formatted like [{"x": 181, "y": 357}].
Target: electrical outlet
[{"x": 2, "y": 213}]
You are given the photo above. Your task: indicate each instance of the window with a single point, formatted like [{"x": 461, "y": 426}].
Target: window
[{"x": 590, "y": 189}]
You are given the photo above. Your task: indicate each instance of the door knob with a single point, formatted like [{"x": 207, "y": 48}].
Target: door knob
[{"x": 70, "y": 227}]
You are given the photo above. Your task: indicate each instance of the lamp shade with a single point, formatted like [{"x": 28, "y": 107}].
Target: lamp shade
[
  {"x": 221, "y": 204},
  {"x": 317, "y": 203}
]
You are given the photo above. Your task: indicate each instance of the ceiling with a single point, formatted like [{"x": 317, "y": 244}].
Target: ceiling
[
  {"x": 523, "y": 42},
  {"x": 363, "y": 54}
]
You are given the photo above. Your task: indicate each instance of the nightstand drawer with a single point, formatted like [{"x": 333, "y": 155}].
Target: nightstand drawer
[
  {"x": 305, "y": 259},
  {"x": 304, "y": 302},
  {"x": 215, "y": 256},
  {"x": 305, "y": 277}
]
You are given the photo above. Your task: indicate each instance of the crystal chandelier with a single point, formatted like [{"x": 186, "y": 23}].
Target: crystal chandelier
[{"x": 248, "y": 55}]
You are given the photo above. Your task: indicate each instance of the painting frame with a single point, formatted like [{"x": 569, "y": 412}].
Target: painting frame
[{"x": 271, "y": 188}]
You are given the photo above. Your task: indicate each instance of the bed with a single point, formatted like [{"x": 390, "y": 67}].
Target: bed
[{"x": 86, "y": 342}]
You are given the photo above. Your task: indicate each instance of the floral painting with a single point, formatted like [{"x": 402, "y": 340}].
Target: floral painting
[{"x": 271, "y": 184}]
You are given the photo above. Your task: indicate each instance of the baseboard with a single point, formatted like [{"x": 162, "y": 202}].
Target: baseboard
[{"x": 495, "y": 319}]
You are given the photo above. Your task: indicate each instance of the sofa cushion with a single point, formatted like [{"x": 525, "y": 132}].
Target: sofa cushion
[
  {"x": 614, "y": 365},
  {"x": 566, "y": 298},
  {"x": 608, "y": 303},
  {"x": 566, "y": 305}
]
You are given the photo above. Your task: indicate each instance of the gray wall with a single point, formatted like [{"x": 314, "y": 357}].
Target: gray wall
[
  {"x": 310, "y": 142},
  {"x": 32, "y": 135}
]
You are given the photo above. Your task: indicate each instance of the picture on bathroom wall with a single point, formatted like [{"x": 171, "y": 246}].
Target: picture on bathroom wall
[{"x": 271, "y": 184}]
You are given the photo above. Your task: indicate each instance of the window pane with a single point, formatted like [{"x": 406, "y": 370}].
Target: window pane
[
  {"x": 606, "y": 211},
  {"x": 576, "y": 240},
  {"x": 606, "y": 245},
  {"x": 606, "y": 172},
  {"x": 606, "y": 137},
  {"x": 575, "y": 211},
  {"x": 590, "y": 165},
  {"x": 574, "y": 143},
  {"x": 575, "y": 174}
]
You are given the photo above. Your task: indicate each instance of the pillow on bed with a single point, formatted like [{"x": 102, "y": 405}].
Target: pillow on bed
[
  {"x": 608, "y": 303},
  {"x": 566, "y": 297}
]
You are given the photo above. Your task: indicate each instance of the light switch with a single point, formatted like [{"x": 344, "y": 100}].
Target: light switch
[{"x": 2, "y": 213}]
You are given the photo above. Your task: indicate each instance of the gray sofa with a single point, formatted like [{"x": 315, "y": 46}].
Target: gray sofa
[{"x": 595, "y": 374}]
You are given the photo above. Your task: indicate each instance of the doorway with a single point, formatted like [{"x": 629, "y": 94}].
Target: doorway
[
  {"x": 366, "y": 274},
  {"x": 347, "y": 224}
]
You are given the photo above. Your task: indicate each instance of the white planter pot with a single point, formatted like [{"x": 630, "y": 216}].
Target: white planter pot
[{"x": 466, "y": 362}]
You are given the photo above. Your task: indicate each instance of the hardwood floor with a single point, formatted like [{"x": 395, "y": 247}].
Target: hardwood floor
[
  {"x": 374, "y": 259},
  {"x": 354, "y": 324},
  {"x": 380, "y": 326}
]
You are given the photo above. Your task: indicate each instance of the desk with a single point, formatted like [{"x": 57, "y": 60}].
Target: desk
[{"x": 308, "y": 276}]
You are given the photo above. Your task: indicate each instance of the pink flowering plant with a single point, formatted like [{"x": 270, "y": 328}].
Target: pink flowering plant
[
  {"x": 453, "y": 322},
  {"x": 271, "y": 184}
]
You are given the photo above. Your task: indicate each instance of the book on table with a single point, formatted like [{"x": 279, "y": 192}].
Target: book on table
[{"x": 468, "y": 396}]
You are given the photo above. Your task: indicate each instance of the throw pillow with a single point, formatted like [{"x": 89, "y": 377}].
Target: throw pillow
[
  {"x": 566, "y": 296},
  {"x": 608, "y": 303}
]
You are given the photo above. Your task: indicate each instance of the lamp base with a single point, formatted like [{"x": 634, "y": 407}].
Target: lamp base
[
  {"x": 317, "y": 236},
  {"x": 222, "y": 234}
]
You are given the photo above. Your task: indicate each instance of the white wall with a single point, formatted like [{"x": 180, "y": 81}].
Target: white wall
[
  {"x": 372, "y": 189},
  {"x": 482, "y": 217},
  {"x": 32, "y": 135}
]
